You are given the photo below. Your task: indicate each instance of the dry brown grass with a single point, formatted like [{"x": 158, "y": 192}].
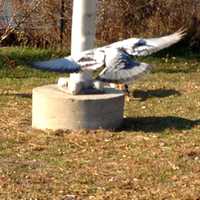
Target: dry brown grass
[{"x": 156, "y": 154}]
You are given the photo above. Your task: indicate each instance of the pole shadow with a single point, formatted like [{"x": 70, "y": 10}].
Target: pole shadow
[
  {"x": 159, "y": 93},
  {"x": 24, "y": 95},
  {"x": 158, "y": 124},
  {"x": 21, "y": 95}
]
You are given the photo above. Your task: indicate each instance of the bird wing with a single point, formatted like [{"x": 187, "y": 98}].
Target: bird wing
[
  {"x": 144, "y": 47},
  {"x": 61, "y": 65},
  {"x": 122, "y": 69},
  {"x": 95, "y": 58},
  {"x": 87, "y": 60}
]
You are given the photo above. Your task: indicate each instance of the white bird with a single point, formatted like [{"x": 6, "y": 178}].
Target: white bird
[{"x": 116, "y": 58}]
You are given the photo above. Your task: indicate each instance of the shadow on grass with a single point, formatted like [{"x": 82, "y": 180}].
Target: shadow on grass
[
  {"x": 160, "y": 93},
  {"x": 24, "y": 95},
  {"x": 21, "y": 95},
  {"x": 158, "y": 124}
]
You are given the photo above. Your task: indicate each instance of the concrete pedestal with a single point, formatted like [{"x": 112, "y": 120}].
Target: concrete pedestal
[{"x": 55, "y": 109}]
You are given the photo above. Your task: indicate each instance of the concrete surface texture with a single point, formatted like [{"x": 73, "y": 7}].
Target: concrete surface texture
[{"x": 55, "y": 109}]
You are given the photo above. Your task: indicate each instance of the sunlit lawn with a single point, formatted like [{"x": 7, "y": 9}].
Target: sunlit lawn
[{"x": 155, "y": 155}]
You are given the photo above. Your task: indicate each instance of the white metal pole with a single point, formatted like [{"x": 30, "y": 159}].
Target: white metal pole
[
  {"x": 83, "y": 38},
  {"x": 83, "y": 25}
]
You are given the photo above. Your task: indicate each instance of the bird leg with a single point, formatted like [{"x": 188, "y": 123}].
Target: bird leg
[
  {"x": 127, "y": 92},
  {"x": 125, "y": 89}
]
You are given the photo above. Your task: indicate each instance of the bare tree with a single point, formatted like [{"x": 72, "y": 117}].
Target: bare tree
[
  {"x": 19, "y": 16},
  {"x": 42, "y": 25}
]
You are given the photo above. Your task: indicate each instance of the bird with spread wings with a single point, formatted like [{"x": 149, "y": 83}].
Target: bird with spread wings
[{"x": 116, "y": 59}]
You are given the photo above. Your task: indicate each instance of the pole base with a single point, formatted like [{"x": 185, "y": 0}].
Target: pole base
[{"x": 55, "y": 109}]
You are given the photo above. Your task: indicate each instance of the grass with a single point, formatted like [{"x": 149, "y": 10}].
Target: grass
[{"x": 155, "y": 155}]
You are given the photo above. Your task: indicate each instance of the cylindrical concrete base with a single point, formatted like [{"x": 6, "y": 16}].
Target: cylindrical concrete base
[{"x": 55, "y": 109}]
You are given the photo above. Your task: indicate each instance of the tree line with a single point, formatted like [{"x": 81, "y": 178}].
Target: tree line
[{"x": 47, "y": 23}]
